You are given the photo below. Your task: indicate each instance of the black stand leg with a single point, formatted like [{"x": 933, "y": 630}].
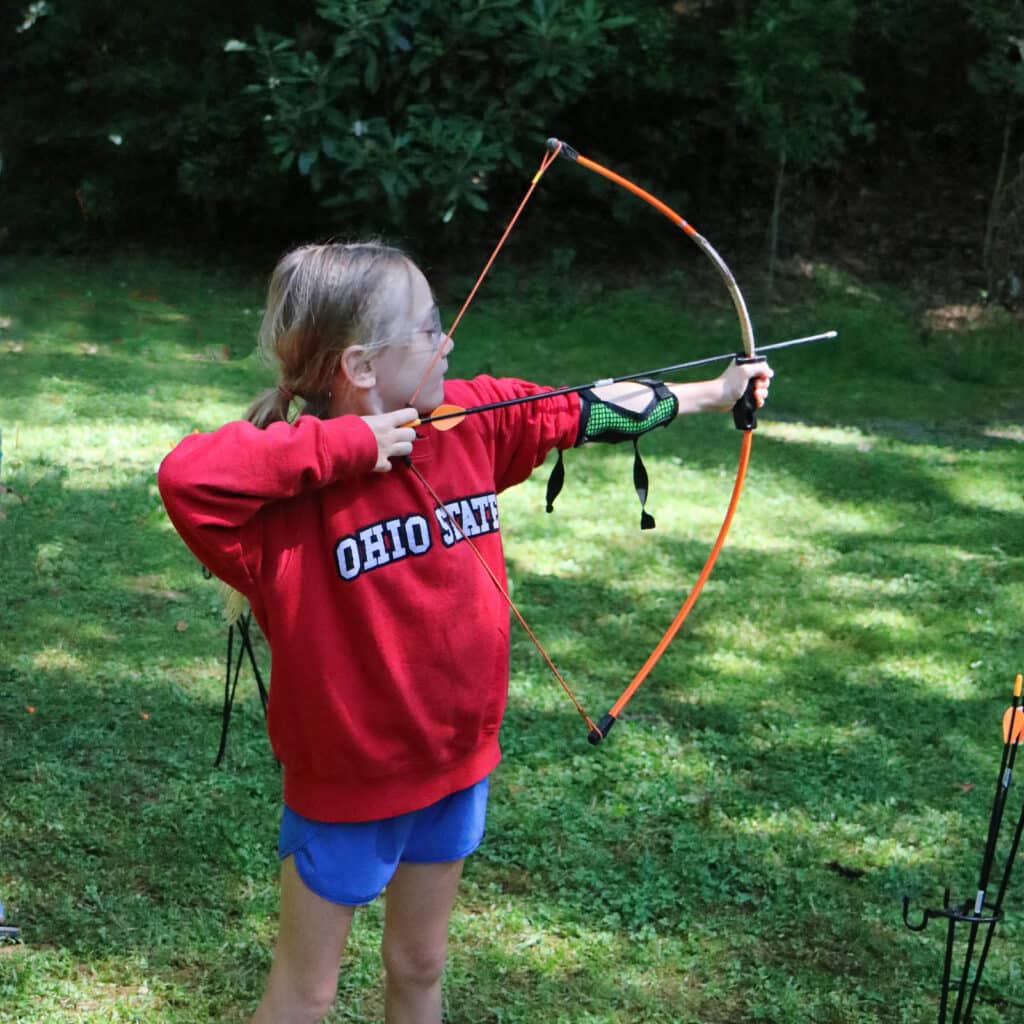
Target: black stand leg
[
  {"x": 981, "y": 914},
  {"x": 233, "y": 668}
]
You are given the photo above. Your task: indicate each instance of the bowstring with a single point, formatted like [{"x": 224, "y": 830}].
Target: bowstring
[
  {"x": 544, "y": 165},
  {"x": 688, "y": 605},
  {"x": 439, "y": 505}
]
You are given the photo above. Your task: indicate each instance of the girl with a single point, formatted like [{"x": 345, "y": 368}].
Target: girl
[{"x": 347, "y": 531}]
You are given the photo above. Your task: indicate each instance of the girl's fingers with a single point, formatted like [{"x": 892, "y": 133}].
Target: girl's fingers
[
  {"x": 395, "y": 436},
  {"x": 400, "y": 417}
]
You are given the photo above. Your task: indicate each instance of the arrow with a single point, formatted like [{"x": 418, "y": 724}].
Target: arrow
[{"x": 444, "y": 417}]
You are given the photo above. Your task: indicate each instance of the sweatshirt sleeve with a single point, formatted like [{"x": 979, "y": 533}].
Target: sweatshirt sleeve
[
  {"x": 522, "y": 435},
  {"x": 214, "y": 486}
]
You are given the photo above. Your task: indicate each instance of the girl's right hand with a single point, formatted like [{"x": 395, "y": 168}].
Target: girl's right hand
[{"x": 395, "y": 435}]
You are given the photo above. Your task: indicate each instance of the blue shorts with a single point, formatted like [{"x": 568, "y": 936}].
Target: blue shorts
[{"x": 351, "y": 862}]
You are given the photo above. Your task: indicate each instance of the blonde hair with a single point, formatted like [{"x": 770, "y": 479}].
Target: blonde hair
[{"x": 321, "y": 299}]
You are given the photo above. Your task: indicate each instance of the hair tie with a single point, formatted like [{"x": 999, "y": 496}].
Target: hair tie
[{"x": 285, "y": 393}]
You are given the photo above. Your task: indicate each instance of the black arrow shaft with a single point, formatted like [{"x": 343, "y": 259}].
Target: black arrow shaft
[{"x": 619, "y": 380}]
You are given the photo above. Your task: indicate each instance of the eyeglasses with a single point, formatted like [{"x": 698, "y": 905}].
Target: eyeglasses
[{"x": 435, "y": 331}]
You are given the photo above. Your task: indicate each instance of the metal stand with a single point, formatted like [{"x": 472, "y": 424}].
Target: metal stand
[
  {"x": 232, "y": 671},
  {"x": 955, "y": 915},
  {"x": 981, "y": 914}
]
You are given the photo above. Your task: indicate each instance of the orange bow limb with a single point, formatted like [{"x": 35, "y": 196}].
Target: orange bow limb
[
  {"x": 604, "y": 726},
  {"x": 445, "y": 417}
]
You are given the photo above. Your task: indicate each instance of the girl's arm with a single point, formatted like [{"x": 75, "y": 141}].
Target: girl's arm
[
  {"x": 214, "y": 485},
  {"x": 717, "y": 395}
]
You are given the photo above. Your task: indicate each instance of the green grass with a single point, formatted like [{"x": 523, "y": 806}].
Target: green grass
[{"x": 833, "y": 701}]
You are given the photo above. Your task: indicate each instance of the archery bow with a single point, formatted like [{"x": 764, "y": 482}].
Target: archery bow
[{"x": 744, "y": 415}]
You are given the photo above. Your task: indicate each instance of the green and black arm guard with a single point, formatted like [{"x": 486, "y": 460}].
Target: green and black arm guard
[{"x": 601, "y": 420}]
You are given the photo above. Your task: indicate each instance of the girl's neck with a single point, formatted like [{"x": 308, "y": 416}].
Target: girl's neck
[{"x": 354, "y": 402}]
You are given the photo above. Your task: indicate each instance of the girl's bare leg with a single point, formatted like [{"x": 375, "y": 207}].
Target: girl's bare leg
[
  {"x": 311, "y": 938},
  {"x": 419, "y": 901}
]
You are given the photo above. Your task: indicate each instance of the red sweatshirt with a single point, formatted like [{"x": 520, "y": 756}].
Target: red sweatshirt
[{"x": 389, "y": 642}]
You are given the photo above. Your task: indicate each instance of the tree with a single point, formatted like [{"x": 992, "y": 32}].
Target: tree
[
  {"x": 403, "y": 112},
  {"x": 998, "y": 75},
  {"x": 793, "y": 90},
  {"x": 121, "y": 120}
]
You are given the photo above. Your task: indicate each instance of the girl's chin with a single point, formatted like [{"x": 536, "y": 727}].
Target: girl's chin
[{"x": 427, "y": 403}]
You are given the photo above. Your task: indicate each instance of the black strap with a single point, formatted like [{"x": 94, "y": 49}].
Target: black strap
[
  {"x": 555, "y": 483},
  {"x": 244, "y": 622},
  {"x": 640, "y": 482}
]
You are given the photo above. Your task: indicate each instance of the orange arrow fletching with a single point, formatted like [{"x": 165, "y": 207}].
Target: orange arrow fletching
[
  {"x": 1013, "y": 725},
  {"x": 452, "y": 415}
]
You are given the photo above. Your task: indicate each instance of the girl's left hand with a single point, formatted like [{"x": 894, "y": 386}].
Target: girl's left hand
[{"x": 736, "y": 377}]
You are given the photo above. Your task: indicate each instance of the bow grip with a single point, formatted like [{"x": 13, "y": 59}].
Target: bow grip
[{"x": 744, "y": 412}]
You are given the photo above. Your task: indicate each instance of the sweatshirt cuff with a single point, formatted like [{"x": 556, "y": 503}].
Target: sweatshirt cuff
[{"x": 349, "y": 447}]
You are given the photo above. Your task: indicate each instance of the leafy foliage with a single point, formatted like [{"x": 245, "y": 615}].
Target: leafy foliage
[
  {"x": 401, "y": 112},
  {"x": 125, "y": 124},
  {"x": 794, "y": 94},
  {"x": 998, "y": 75},
  {"x": 999, "y": 68},
  {"x": 260, "y": 121}
]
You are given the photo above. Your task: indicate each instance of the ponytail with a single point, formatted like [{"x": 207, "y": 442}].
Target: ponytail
[{"x": 270, "y": 407}]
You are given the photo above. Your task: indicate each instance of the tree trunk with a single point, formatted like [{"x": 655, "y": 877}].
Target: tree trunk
[
  {"x": 773, "y": 232},
  {"x": 994, "y": 201}
]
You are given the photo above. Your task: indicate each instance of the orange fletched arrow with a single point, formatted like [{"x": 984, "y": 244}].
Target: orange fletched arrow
[
  {"x": 1013, "y": 717},
  {"x": 444, "y": 417}
]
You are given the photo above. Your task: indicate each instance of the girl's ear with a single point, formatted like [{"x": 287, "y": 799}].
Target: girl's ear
[{"x": 355, "y": 367}]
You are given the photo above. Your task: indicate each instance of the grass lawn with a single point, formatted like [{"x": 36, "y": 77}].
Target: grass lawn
[{"x": 822, "y": 738}]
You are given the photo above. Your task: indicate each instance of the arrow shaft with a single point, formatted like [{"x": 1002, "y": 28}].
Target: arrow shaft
[{"x": 658, "y": 372}]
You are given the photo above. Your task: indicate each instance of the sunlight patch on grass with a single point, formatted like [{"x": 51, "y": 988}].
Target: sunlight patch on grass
[
  {"x": 930, "y": 673},
  {"x": 925, "y": 670},
  {"x": 1010, "y": 432},
  {"x": 795, "y": 432},
  {"x": 891, "y": 620},
  {"x": 57, "y": 659},
  {"x": 997, "y": 494}
]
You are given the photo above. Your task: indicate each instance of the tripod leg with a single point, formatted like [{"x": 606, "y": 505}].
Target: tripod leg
[
  {"x": 947, "y": 967},
  {"x": 243, "y": 628},
  {"x": 230, "y": 686},
  {"x": 997, "y": 908}
]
